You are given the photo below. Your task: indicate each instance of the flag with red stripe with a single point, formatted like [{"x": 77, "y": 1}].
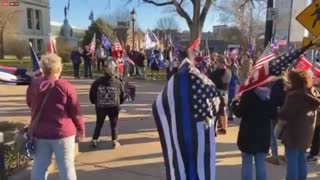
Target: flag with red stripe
[
  {"x": 270, "y": 70},
  {"x": 92, "y": 47}
]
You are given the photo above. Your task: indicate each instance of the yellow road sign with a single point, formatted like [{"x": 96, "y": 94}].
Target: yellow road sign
[
  {"x": 310, "y": 18},
  {"x": 306, "y": 41}
]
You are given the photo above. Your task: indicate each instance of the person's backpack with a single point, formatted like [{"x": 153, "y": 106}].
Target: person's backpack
[{"x": 107, "y": 95}]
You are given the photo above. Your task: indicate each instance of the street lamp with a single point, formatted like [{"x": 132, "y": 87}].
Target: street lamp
[{"x": 133, "y": 19}]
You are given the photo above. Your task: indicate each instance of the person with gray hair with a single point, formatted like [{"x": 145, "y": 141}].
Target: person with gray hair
[
  {"x": 55, "y": 119},
  {"x": 107, "y": 93}
]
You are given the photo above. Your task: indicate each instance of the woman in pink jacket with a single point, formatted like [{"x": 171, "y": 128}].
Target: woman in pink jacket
[{"x": 59, "y": 122}]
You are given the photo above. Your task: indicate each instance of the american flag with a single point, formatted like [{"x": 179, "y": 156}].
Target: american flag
[
  {"x": 184, "y": 113},
  {"x": 270, "y": 70},
  {"x": 36, "y": 69},
  {"x": 266, "y": 56},
  {"x": 117, "y": 47},
  {"x": 92, "y": 47}
]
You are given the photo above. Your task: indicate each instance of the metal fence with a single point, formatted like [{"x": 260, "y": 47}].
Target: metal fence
[{"x": 10, "y": 160}]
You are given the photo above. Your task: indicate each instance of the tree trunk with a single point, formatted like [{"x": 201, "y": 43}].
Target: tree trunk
[
  {"x": 1, "y": 44},
  {"x": 195, "y": 32}
]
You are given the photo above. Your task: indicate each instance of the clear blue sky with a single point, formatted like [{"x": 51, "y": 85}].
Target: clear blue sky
[{"x": 147, "y": 15}]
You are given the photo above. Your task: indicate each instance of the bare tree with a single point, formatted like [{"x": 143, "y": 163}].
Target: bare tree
[
  {"x": 6, "y": 17},
  {"x": 247, "y": 19},
  {"x": 195, "y": 20},
  {"x": 167, "y": 23}
]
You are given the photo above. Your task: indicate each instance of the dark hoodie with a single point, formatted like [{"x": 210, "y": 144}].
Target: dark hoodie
[
  {"x": 253, "y": 109},
  {"x": 298, "y": 111},
  {"x": 107, "y": 92}
]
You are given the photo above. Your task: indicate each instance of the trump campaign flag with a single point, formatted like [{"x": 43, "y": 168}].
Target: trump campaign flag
[
  {"x": 270, "y": 70},
  {"x": 304, "y": 64},
  {"x": 185, "y": 112},
  {"x": 105, "y": 42}
]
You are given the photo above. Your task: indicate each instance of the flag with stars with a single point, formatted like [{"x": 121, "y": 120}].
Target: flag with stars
[
  {"x": 185, "y": 112},
  {"x": 270, "y": 70}
]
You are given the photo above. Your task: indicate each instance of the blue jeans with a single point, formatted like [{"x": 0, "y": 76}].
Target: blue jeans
[
  {"x": 87, "y": 69},
  {"x": 274, "y": 143},
  {"x": 247, "y": 169},
  {"x": 63, "y": 150},
  {"x": 296, "y": 164}
]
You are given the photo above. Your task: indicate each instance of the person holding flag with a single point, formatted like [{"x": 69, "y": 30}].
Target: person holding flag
[
  {"x": 184, "y": 113},
  {"x": 101, "y": 56},
  {"x": 88, "y": 58}
]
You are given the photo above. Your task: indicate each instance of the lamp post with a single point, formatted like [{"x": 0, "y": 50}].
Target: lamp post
[
  {"x": 269, "y": 25},
  {"x": 133, "y": 19}
]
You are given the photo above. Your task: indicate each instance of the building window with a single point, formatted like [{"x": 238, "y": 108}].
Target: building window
[
  {"x": 38, "y": 19},
  {"x": 39, "y": 44},
  {"x": 29, "y": 18}
]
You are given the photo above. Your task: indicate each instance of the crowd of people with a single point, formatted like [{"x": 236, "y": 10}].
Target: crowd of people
[
  {"x": 285, "y": 109},
  {"x": 130, "y": 62}
]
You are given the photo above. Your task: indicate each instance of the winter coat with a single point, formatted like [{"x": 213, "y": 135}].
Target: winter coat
[
  {"x": 107, "y": 92},
  {"x": 254, "y": 132},
  {"x": 299, "y": 112},
  {"x": 277, "y": 97}
]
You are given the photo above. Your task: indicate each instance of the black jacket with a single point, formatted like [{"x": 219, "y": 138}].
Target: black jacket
[
  {"x": 107, "y": 92},
  {"x": 254, "y": 132},
  {"x": 277, "y": 97}
]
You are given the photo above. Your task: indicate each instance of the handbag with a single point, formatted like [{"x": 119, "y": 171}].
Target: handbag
[
  {"x": 280, "y": 129},
  {"x": 24, "y": 140}
]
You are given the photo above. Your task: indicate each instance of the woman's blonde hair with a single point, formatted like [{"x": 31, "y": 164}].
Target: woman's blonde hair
[{"x": 51, "y": 64}]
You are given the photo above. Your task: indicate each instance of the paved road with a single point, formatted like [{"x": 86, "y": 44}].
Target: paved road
[{"x": 140, "y": 157}]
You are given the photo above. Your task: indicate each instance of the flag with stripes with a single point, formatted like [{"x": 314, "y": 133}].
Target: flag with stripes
[
  {"x": 36, "y": 69},
  {"x": 270, "y": 70},
  {"x": 266, "y": 56},
  {"x": 266, "y": 52},
  {"x": 92, "y": 47},
  {"x": 184, "y": 113}
]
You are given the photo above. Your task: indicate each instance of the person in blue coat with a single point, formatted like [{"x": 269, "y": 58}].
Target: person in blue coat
[{"x": 76, "y": 61}]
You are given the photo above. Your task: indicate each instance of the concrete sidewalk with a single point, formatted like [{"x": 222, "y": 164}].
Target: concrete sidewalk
[{"x": 140, "y": 156}]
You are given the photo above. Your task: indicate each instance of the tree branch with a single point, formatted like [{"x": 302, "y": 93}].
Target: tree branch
[
  {"x": 205, "y": 11},
  {"x": 157, "y": 3},
  {"x": 182, "y": 12},
  {"x": 246, "y": 2}
]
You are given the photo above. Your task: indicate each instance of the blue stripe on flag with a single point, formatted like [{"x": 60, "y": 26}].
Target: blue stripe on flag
[{"x": 186, "y": 119}]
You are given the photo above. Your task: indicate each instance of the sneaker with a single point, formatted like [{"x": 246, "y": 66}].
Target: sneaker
[
  {"x": 115, "y": 144},
  {"x": 312, "y": 159},
  {"x": 273, "y": 160},
  {"x": 94, "y": 143}
]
